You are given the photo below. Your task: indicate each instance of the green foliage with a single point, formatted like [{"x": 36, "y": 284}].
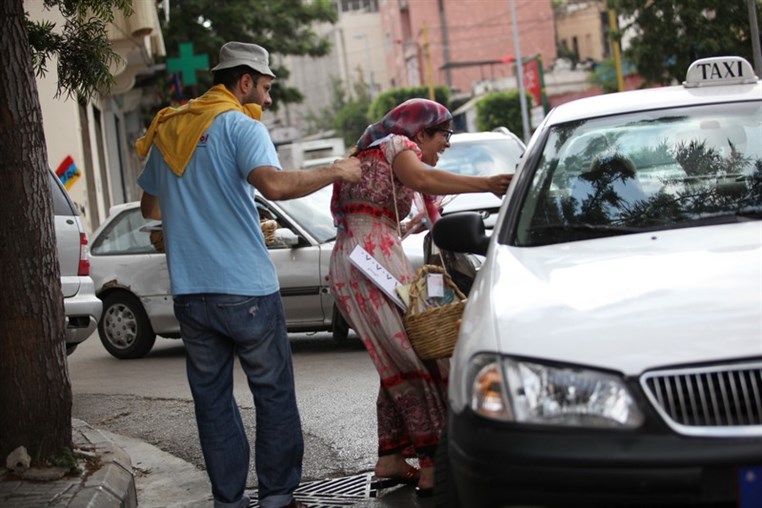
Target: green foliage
[
  {"x": 604, "y": 74},
  {"x": 65, "y": 459},
  {"x": 322, "y": 120},
  {"x": 348, "y": 117},
  {"x": 391, "y": 98},
  {"x": 351, "y": 120},
  {"x": 500, "y": 109},
  {"x": 82, "y": 46},
  {"x": 283, "y": 27},
  {"x": 670, "y": 34}
]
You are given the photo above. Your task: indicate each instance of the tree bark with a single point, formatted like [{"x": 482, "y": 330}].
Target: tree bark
[{"x": 35, "y": 390}]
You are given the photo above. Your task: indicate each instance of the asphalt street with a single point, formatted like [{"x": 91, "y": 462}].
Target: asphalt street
[{"x": 145, "y": 407}]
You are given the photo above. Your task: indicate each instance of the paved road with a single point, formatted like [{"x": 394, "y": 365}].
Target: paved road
[{"x": 149, "y": 400}]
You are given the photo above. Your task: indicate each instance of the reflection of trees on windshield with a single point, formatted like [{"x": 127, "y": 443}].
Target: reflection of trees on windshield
[
  {"x": 605, "y": 192},
  {"x": 690, "y": 182}
]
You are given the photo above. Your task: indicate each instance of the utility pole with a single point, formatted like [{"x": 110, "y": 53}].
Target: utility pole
[
  {"x": 520, "y": 73},
  {"x": 445, "y": 44},
  {"x": 755, "y": 37},
  {"x": 427, "y": 59},
  {"x": 614, "y": 37}
]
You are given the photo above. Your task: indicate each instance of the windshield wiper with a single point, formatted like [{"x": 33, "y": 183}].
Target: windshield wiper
[
  {"x": 559, "y": 233},
  {"x": 613, "y": 229},
  {"x": 749, "y": 213}
]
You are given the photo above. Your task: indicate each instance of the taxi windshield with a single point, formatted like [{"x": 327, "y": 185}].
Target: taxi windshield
[{"x": 646, "y": 171}]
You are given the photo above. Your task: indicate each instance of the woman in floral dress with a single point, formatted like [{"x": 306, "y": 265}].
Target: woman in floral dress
[{"x": 411, "y": 405}]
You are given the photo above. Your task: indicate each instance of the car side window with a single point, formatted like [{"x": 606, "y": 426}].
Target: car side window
[
  {"x": 125, "y": 235},
  {"x": 62, "y": 204}
]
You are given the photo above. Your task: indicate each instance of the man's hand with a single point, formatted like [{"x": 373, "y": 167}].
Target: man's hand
[
  {"x": 149, "y": 206},
  {"x": 349, "y": 169}
]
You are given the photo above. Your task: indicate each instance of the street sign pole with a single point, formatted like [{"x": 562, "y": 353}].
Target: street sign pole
[{"x": 520, "y": 73}]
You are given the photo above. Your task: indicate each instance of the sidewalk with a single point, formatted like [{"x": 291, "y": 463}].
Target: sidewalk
[
  {"x": 113, "y": 484},
  {"x": 135, "y": 473}
]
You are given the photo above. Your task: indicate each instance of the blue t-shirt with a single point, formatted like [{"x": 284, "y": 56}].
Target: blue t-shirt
[{"x": 212, "y": 237}]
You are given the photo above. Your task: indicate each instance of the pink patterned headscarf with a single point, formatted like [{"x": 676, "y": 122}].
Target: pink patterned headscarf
[{"x": 407, "y": 119}]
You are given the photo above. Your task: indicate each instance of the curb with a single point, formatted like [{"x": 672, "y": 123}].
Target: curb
[{"x": 113, "y": 484}]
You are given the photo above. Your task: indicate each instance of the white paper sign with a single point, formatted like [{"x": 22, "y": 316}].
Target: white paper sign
[
  {"x": 435, "y": 285},
  {"x": 387, "y": 282}
]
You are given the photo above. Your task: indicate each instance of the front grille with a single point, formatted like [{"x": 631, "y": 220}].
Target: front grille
[{"x": 711, "y": 400}]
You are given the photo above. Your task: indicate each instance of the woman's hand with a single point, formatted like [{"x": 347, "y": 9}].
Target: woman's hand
[{"x": 498, "y": 184}]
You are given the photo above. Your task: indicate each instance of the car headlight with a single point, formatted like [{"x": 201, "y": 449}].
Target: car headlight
[{"x": 527, "y": 392}]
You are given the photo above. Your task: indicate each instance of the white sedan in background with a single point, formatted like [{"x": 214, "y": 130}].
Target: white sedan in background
[{"x": 132, "y": 279}]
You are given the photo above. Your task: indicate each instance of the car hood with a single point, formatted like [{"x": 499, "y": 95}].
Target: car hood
[
  {"x": 626, "y": 303},
  {"x": 471, "y": 202}
]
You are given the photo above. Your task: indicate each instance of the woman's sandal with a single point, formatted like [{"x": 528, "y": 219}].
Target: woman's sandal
[{"x": 410, "y": 477}]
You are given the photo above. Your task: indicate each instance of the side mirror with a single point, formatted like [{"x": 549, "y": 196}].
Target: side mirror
[
  {"x": 461, "y": 232},
  {"x": 285, "y": 236}
]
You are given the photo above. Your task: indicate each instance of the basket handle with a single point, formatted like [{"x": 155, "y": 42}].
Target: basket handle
[{"x": 415, "y": 293}]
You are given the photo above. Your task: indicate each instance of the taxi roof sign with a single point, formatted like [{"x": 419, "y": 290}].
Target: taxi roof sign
[{"x": 721, "y": 70}]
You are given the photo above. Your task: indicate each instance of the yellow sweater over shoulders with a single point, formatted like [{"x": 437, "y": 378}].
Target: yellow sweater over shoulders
[{"x": 177, "y": 131}]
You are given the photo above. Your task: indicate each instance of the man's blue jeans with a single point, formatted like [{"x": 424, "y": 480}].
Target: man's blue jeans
[{"x": 215, "y": 328}]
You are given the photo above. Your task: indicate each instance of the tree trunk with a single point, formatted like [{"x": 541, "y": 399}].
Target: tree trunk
[{"x": 35, "y": 390}]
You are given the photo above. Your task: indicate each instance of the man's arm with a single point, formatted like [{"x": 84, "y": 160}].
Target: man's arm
[
  {"x": 149, "y": 206},
  {"x": 279, "y": 185}
]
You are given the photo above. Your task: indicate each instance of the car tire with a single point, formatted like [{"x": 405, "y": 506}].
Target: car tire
[
  {"x": 445, "y": 489},
  {"x": 124, "y": 328},
  {"x": 339, "y": 326}
]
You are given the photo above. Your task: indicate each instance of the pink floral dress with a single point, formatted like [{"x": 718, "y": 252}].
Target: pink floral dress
[{"x": 411, "y": 406}]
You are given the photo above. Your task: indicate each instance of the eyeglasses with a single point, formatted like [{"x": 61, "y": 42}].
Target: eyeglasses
[{"x": 447, "y": 133}]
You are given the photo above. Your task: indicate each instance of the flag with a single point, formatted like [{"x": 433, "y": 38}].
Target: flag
[{"x": 68, "y": 172}]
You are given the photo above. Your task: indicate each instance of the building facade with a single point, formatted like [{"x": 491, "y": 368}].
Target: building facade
[
  {"x": 461, "y": 43},
  {"x": 356, "y": 57},
  {"x": 582, "y": 28},
  {"x": 465, "y": 45},
  {"x": 90, "y": 144}
]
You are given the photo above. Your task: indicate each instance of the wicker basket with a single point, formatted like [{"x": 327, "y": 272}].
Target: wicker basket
[{"x": 433, "y": 330}]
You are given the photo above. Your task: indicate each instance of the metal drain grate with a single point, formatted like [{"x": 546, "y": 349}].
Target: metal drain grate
[{"x": 331, "y": 493}]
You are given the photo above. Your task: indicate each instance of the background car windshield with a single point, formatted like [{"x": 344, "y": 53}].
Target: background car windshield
[
  {"x": 313, "y": 213},
  {"x": 481, "y": 158},
  {"x": 645, "y": 171}
]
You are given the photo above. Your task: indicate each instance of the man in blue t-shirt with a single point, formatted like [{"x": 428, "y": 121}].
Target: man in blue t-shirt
[{"x": 204, "y": 158}]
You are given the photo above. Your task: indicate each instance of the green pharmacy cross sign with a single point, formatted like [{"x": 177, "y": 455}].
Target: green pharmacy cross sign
[{"x": 187, "y": 64}]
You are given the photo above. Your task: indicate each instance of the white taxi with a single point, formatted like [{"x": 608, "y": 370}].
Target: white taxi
[{"x": 611, "y": 349}]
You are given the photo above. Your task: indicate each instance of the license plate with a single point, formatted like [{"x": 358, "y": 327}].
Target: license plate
[{"x": 750, "y": 487}]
